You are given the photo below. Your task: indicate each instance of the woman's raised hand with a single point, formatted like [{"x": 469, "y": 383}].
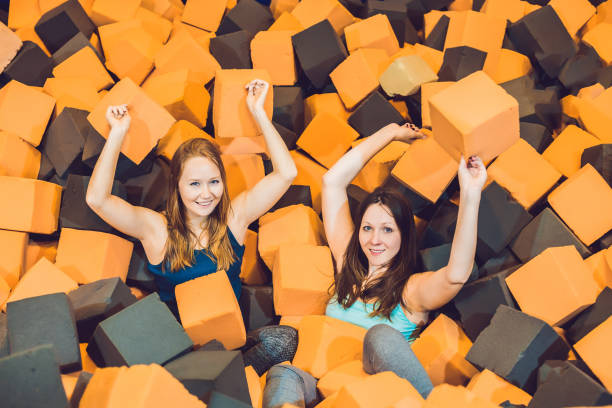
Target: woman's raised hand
[
  {"x": 118, "y": 117},
  {"x": 472, "y": 175},
  {"x": 407, "y": 132},
  {"x": 257, "y": 90}
]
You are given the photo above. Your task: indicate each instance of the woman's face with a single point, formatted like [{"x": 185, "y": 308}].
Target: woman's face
[
  {"x": 379, "y": 235},
  {"x": 200, "y": 186}
]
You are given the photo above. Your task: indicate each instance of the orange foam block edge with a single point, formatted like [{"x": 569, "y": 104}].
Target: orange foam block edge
[
  {"x": 380, "y": 390},
  {"x": 18, "y": 158},
  {"x": 593, "y": 347},
  {"x": 207, "y": 318},
  {"x": 150, "y": 122},
  {"x": 273, "y": 51},
  {"x": 180, "y": 132},
  {"x": 340, "y": 376},
  {"x": 12, "y": 252},
  {"x": 372, "y": 32},
  {"x": 565, "y": 152},
  {"x": 489, "y": 386},
  {"x": 205, "y": 15}
]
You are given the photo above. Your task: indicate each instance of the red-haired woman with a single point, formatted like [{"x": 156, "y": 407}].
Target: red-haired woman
[
  {"x": 375, "y": 285},
  {"x": 201, "y": 231}
]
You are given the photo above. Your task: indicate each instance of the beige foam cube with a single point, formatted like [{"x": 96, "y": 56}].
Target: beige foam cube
[{"x": 405, "y": 76}]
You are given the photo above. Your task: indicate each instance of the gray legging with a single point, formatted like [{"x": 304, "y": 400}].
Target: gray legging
[{"x": 384, "y": 349}]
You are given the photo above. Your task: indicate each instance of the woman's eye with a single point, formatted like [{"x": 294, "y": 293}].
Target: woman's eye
[
  {"x": 215, "y": 181},
  {"x": 367, "y": 228},
  {"x": 194, "y": 183},
  {"x": 387, "y": 229}
]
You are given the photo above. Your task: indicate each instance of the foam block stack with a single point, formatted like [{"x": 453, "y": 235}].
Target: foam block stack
[{"x": 526, "y": 85}]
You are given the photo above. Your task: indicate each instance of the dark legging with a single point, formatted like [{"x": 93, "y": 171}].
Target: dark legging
[{"x": 268, "y": 346}]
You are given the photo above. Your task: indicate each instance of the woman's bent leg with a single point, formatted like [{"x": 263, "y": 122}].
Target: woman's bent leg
[
  {"x": 289, "y": 384},
  {"x": 386, "y": 349},
  {"x": 268, "y": 346}
]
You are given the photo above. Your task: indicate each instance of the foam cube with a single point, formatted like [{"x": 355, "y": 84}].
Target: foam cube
[
  {"x": 596, "y": 38},
  {"x": 31, "y": 66},
  {"x": 11, "y": 43},
  {"x": 583, "y": 202},
  {"x": 132, "y": 54},
  {"x": 490, "y": 387},
  {"x": 311, "y": 12},
  {"x": 374, "y": 113},
  {"x": 289, "y": 108},
  {"x": 592, "y": 317},
  {"x": 459, "y": 62},
  {"x": 273, "y": 51},
  {"x": 250, "y": 16},
  {"x": 205, "y": 15},
  {"x": 590, "y": 348},
  {"x": 527, "y": 182},
  {"x": 463, "y": 115},
  {"x": 17, "y": 157},
  {"x": 373, "y": 32},
  {"x": 37, "y": 250},
  {"x": 595, "y": 115},
  {"x": 154, "y": 24},
  {"x": 73, "y": 92},
  {"x": 111, "y": 11},
  {"x": 231, "y": 116},
  {"x": 512, "y": 10},
  {"x": 180, "y": 132},
  {"x": 476, "y": 30},
  {"x": 28, "y": 34},
  {"x": 406, "y": 75},
  {"x": 286, "y": 22},
  {"x": 233, "y": 50},
  {"x": 599, "y": 157},
  {"x": 446, "y": 396},
  {"x": 326, "y": 343},
  {"x": 257, "y": 305},
  {"x": 12, "y": 251},
  {"x": 325, "y": 102},
  {"x": 565, "y": 151},
  {"x": 84, "y": 64},
  {"x": 429, "y": 89},
  {"x": 58, "y": 25},
  {"x": 505, "y": 65},
  {"x": 379, "y": 390},
  {"x": 243, "y": 172},
  {"x": 149, "y": 123},
  {"x": 310, "y": 174},
  {"x": 207, "y": 318},
  {"x": 340, "y": 376}
]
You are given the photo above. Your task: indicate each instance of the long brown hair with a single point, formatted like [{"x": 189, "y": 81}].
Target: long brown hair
[
  {"x": 385, "y": 290},
  {"x": 181, "y": 240}
]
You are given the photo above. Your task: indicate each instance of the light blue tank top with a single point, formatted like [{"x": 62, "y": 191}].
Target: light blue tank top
[{"x": 359, "y": 315}]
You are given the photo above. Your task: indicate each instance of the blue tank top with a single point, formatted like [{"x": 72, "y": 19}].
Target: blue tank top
[
  {"x": 358, "y": 314},
  {"x": 202, "y": 265}
]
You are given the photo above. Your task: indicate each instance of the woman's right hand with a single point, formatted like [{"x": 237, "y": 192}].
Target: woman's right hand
[
  {"x": 118, "y": 117},
  {"x": 406, "y": 133}
]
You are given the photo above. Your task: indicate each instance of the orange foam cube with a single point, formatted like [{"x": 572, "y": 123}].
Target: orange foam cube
[
  {"x": 373, "y": 174},
  {"x": 593, "y": 347},
  {"x": 573, "y": 13},
  {"x": 86, "y": 361},
  {"x": 32, "y": 205},
  {"x": 42, "y": 279},
  {"x": 434, "y": 58},
  {"x": 309, "y": 174},
  {"x": 504, "y": 65},
  {"x": 427, "y": 91},
  {"x": 601, "y": 265},
  {"x": 202, "y": 37},
  {"x": 292, "y": 321},
  {"x": 449, "y": 396},
  {"x": 73, "y": 92},
  {"x": 23, "y": 13},
  {"x": 431, "y": 18},
  {"x": 154, "y": 24},
  {"x": 310, "y": 12},
  {"x": 591, "y": 92},
  {"x": 489, "y": 386},
  {"x": 252, "y": 269},
  {"x": 295, "y": 224},
  {"x": 565, "y": 152},
  {"x": 12, "y": 253},
  {"x": 327, "y": 102},
  {"x": 204, "y": 14},
  {"x": 150, "y": 122},
  {"x": 524, "y": 173},
  {"x": 243, "y": 172},
  {"x": 180, "y": 132},
  {"x": 183, "y": 51},
  {"x": 569, "y": 282},
  {"x": 512, "y": 10},
  {"x": 244, "y": 145},
  {"x": 302, "y": 276},
  {"x": 207, "y": 318},
  {"x": 132, "y": 55},
  {"x": 36, "y": 250},
  {"x": 286, "y": 22},
  {"x": 442, "y": 348},
  {"x": 25, "y": 111},
  {"x": 599, "y": 38},
  {"x": 88, "y": 256},
  {"x": 183, "y": 99},
  {"x": 357, "y": 75},
  {"x": 583, "y": 202},
  {"x": 279, "y": 7},
  {"x": 327, "y": 138},
  {"x": 138, "y": 386},
  {"x": 596, "y": 116},
  {"x": 426, "y": 168},
  {"x": 326, "y": 343},
  {"x": 477, "y": 30},
  {"x": 255, "y": 388},
  {"x": 18, "y": 158},
  {"x": 340, "y": 376},
  {"x": 373, "y": 32},
  {"x": 380, "y": 390},
  {"x": 231, "y": 116},
  {"x": 29, "y": 34},
  {"x": 110, "y": 11},
  {"x": 10, "y": 43},
  {"x": 474, "y": 116},
  {"x": 273, "y": 51},
  {"x": 84, "y": 64}
]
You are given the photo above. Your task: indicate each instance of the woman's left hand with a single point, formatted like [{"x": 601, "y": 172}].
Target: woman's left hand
[
  {"x": 257, "y": 90},
  {"x": 472, "y": 175}
]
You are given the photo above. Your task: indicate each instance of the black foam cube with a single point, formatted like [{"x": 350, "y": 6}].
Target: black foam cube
[
  {"x": 31, "y": 66},
  {"x": 372, "y": 114},
  {"x": 436, "y": 4},
  {"x": 437, "y": 36},
  {"x": 441, "y": 228},
  {"x": 257, "y": 307},
  {"x": 97, "y": 301},
  {"x": 356, "y": 195},
  {"x": 600, "y": 157},
  {"x": 581, "y": 70},
  {"x": 535, "y": 105},
  {"x": 150, "y": 190},
  {"x": 503, "y": 261},
  {"x": 420, "y": 206},
  {"x": 31, "y": 379},
  {"x": 60, "y": 24},
  {"x": 477, "y": 4},
  {"x": 203, "y": 372},
  {"x": 220, "y": 400},
  {"x": 79, "y": 388},
  {"x": 437, "y": 257},
  {"x": 537, "y": 135},
  {"x": 45, "y": 319},
  {"x": 289, "y": 136},
  {"x": 74, "y": 211},
  {"x": 590, "y": 318},
  {"x": 295, "y": 194},
  {"x": 213, "y": 345},
  {"x": 542, "y": 36},
  {"x": 64, "y": 140},
  {"x": 318, "y": 50},
  {"x": 143, "y": 333},
  {"x": 396, "y": 11},
  {"x": 138, "y": 272},
  {"x": 514, "y": 345},
  {"x": 289, "y": 107},
  {"x": 233, "y": 50},
  {"x": 604, "y": 77},
  {"x": 568, "y": 386},
  {"x": 500, "y": 219},
  {"x": 4, "y": 346},
  {"x": 355, "y": 7},
  {"x": 76, "y": 43},
  {"x": 247, "y": 15},
  {"x": 460, "y": 62},
  {"x": 545, "y": 230},
  {"x": 46, "y": 170},
  {"x": 477, "y": 302}
]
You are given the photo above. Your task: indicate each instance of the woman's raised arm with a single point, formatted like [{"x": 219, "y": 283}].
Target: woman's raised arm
[{"x": 336, "y": 214}]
